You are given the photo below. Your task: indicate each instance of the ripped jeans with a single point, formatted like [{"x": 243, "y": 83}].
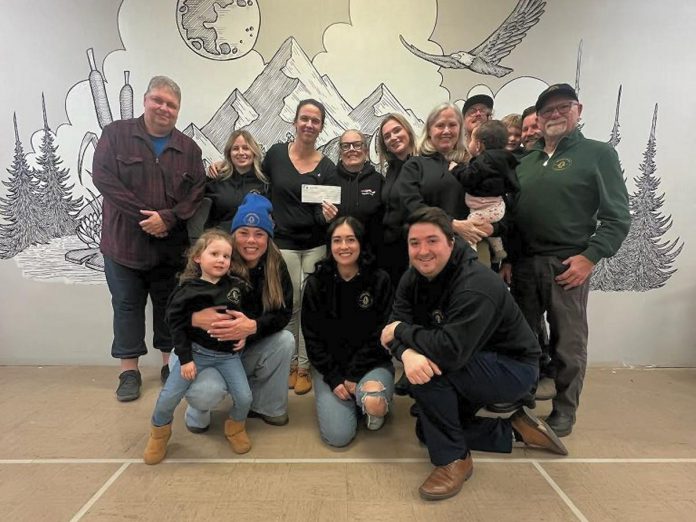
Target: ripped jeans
[{"x": 338, "y": 419}]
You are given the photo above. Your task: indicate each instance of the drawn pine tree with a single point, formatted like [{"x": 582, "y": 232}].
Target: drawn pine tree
[
  {"x": 609, "y": 272},
  {"x": 649, "y": 260},
  {"x": 21, "y": 208},
  {"x": 59, "y": 208}
]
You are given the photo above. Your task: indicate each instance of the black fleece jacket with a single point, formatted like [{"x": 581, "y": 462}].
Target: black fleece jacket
[
  {"x": 465, "y": 309},
  {"x": 491, "y": 173},
  {"x": 228, "y": 194},
  {"x": 342, "y": 322},
  {"x": 427, "y": 181},
  {"x": 394, "y": 218}
]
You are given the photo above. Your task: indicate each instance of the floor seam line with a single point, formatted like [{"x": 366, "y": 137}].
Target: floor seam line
[
  {"x": 78, "y": 516},
  {"x": 329, "y": 460},
  {"x": 565, "y": 498}
]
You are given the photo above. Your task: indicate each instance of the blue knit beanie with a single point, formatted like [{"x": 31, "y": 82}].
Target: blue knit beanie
[{"x": 255, "y": 211}]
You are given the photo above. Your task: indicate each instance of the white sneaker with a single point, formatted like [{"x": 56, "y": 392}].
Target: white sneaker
[{"x": 373, "y": 423}]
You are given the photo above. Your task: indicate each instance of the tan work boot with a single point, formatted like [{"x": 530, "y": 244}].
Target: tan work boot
[
  {"x": 235, "y": 433},
  {"x": 304, "y": 381},
  {"x": 156, "y": 447},
  {"x": 292, "y": 378}
]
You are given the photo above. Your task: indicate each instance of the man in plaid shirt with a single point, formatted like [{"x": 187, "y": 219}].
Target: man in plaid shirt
[{"x": 151, "y": 178}]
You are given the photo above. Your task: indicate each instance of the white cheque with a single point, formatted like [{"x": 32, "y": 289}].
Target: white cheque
[{"x": 319, "y": 193}]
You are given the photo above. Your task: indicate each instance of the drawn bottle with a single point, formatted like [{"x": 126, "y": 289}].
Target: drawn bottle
[
  {"x": 96, "y": 83},
  {"x": 125, "y": 98}
]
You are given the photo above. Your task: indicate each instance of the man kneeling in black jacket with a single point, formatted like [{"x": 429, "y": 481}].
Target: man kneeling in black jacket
[{"x": 464, "y": 344}]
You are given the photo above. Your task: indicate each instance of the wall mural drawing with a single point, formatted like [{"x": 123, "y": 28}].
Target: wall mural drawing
[
  {"x": 218, "y": 29},
  {"x": 50, "y": 215},
  {"x": 484, "y": 58}
]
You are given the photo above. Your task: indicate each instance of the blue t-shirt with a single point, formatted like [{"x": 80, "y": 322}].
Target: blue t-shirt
[{"x": 159, "y": 143}]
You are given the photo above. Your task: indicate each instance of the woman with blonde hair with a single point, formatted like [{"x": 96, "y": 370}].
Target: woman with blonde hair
[
  {"x": 237, "y": 175},
  {"x": 396, "y": 143}
]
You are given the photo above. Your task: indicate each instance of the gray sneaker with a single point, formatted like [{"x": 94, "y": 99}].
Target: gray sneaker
[
  {"x": 373, "y": 423},
  {"x": 129, "y": 383}
]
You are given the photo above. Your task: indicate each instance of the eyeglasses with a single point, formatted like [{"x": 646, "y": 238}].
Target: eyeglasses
[
  {"x": 562, "y": 108},
  {"x": 357, "y": 145},
  {"x": 479, "y": 110}
]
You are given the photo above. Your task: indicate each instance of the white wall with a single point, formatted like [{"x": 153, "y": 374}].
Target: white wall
[{"x": 646, "y": 48}]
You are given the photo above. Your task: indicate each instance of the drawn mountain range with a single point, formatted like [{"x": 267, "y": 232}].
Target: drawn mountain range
[
  {"x": 380, "y": 102},
  {"x": 267, "y": 108},
  {"x": 209, "y": 152},
  {"x": 235, "y": 113}
]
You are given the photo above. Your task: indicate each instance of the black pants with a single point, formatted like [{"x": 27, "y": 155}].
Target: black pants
[{"x": 448, "y": 405}]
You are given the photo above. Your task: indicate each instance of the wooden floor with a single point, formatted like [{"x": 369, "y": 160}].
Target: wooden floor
[{"x": 70, "y": 451}]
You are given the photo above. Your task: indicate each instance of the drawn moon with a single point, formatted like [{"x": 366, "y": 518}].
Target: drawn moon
[{"x": 219, "y": 29}]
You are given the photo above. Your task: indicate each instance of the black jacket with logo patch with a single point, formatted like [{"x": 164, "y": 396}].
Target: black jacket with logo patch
[
  {"x": 342, "y": 322},
  {"x": 465, "y": 309},
  {"x": 361, "y": 197},
  {"x": 195, "y": 295}
]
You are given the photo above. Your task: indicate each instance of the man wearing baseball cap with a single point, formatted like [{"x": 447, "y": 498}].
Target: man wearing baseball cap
[
  {"x": 477, "y": 109},
  {"x": 571, "y": 212}
]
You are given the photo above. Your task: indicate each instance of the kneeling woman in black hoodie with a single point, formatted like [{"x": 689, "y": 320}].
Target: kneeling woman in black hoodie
[{"x": 345, "y": 305}]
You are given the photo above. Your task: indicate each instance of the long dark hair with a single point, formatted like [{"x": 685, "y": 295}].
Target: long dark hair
[{"x": 365, "y": 259}]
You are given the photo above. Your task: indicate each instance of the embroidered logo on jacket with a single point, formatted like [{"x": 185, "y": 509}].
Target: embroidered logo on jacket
[
  {"x": 561, "y": 164},
  {"x": 365, "y": 300},
  {"x": 234, "y": 296},
  {"x": 368, "y": 192}
]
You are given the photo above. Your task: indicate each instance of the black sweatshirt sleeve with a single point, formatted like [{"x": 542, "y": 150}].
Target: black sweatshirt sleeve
[
  {"x": 469, "y": 324},
  {"x": 178, "y": 318},
  {"x": 274, "y": 321},
  {"x": 402, "y": 310}
]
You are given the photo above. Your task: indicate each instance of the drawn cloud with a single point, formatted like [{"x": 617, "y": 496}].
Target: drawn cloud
[
  {"x": 360, "y": 55},
  {"x": 149, "y": 49}
]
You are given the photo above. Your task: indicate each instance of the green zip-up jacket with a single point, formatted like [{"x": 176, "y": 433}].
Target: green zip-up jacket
[{"x": 562, "y": 198}]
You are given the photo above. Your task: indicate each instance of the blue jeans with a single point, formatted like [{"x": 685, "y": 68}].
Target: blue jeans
[
  {"x": 338, "y": 419},
  {"x": 129, "y": 291},
  {"x": 448, "y": 404},
  {"x": 267, "y": 365},
  {"x": 230, "y": 367}
]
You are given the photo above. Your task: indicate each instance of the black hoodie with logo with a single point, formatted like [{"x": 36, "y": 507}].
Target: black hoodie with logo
[
  {"x": 361, "y": 198},
  {"x": 465, "y": 309},
  {"x": 342, "y": 322}
]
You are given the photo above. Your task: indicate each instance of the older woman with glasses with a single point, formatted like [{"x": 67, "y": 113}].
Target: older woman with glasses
[{"x": 361, "y": 188}]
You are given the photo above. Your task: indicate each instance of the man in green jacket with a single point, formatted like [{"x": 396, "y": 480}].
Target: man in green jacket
[{"x": 571, "y": 212}]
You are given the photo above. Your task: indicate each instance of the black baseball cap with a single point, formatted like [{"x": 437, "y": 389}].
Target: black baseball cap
[
  {"x": 554, "y": 90},
  {"x": 476, "y": 99}
]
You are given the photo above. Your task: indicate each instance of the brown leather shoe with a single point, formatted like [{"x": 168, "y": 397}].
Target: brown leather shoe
[
  {"x": 447, "y": 481},
  {"x": 535, "y": 432}
]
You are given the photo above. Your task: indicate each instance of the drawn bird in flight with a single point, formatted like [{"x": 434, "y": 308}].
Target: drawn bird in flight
[{"x": 484, "y": 58}]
